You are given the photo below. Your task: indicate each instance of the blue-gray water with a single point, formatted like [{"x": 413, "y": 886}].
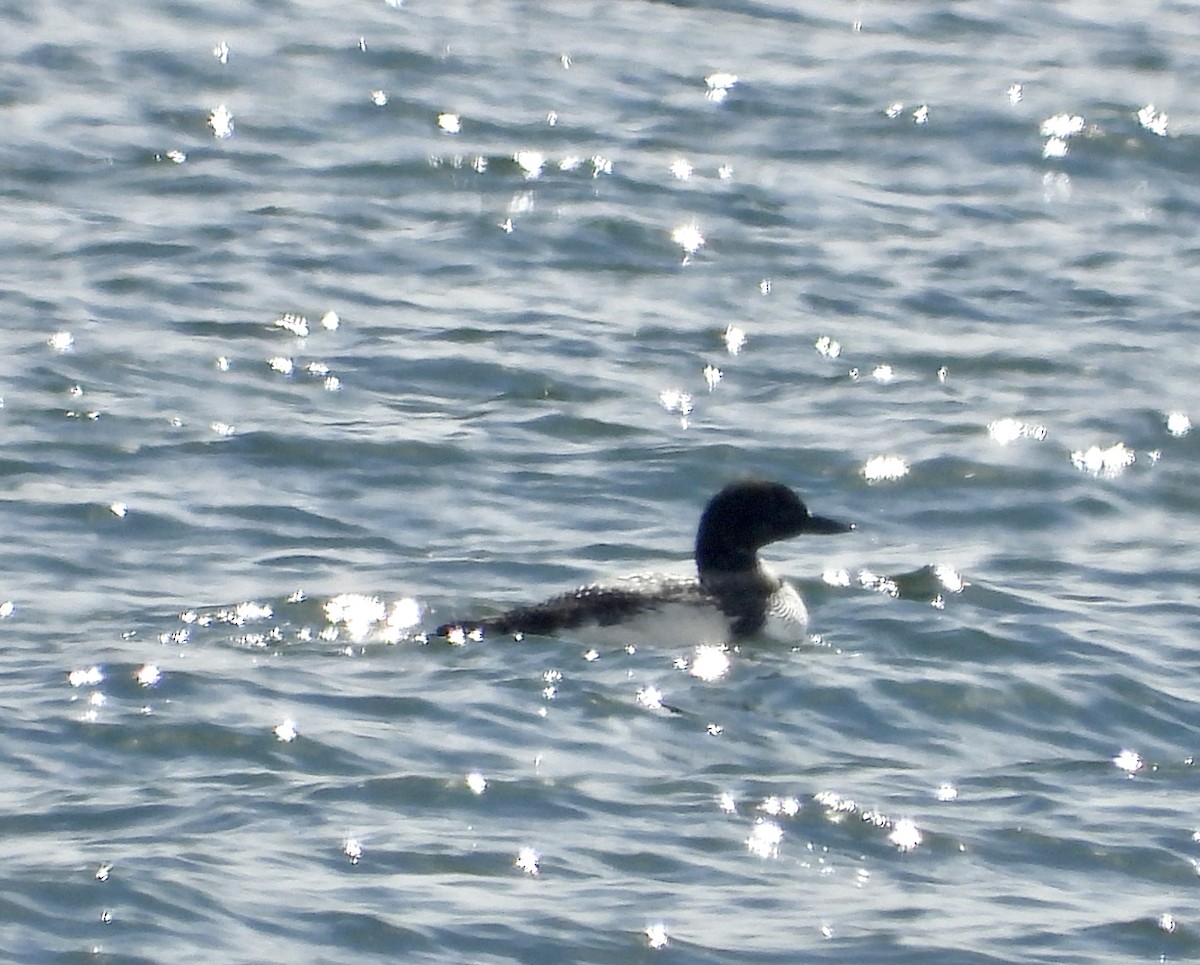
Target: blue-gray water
[{"x": 514, "y": 400}]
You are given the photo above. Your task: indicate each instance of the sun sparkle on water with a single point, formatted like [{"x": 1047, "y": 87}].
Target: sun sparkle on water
[
  {"x": 709, "y": 663},
  {"x": 689, "y": 238},
  {"x": 905, "y": 835},
  {"x": 1178, "y": 423},
  {"x": 529, "y": 861},
  {"x": 221, "y": 121},
  {"x": 720, "y": 83},
  {"x": 1104, "y": 462},
  {"x": 765, "y": 838},
  {"x": 1129, "y": 761},
  {"x": 885, "y": 469}
]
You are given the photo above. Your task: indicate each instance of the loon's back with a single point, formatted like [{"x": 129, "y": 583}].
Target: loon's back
[
  {"x": 719, "y": 610},
  {"x": 598, "y": 604}
]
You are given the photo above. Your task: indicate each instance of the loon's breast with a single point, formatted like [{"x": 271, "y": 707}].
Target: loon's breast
[{"x": 786, "y": 614}]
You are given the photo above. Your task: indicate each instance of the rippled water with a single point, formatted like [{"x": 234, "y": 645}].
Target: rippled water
[{"x": 326, "y": 322}]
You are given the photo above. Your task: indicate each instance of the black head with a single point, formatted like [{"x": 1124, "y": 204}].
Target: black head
[{"x": 746, "y": 516}]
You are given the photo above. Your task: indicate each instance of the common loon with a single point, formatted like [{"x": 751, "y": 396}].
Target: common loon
[{"x": 738, "y": 521}]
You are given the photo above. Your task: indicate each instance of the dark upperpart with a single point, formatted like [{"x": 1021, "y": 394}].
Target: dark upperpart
[{"x": 746, "y": 516}]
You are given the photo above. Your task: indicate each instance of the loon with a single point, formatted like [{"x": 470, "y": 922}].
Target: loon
[{"x": 738, "y": 521}]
